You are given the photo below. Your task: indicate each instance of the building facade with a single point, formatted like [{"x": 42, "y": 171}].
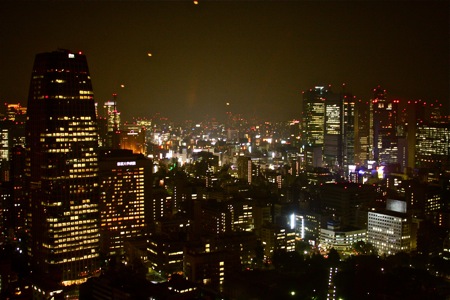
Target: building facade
[
  {"x": 123, "y": 177},
  {"x": 391, "y": 231}
]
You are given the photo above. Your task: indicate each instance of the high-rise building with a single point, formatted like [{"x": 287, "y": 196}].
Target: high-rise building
[
  {"x": 339, "y": 138},
  {"x": 18, "y": 188},
  {"x": 112, "y": 114},
  {"x": 347, "y": 202},
  {"x": 333, "y": 135},
  {"x": 432, "y": 146},
  {"x": 277, "y": 238},
  {"x": 328, "y": 121},
  {"x": 391, "y": 231},
  {"x": 363, "y": 138},
  {"x": 384, "y": 117},
  {"x": 416, "y": 121},
  {"x": 245, "y": 168},
  {"x": 62, "y": 170},
  {"x": 112, "y": 123},
  {"x": 313, "y": 115},
  {"x": 124, "y": 185}
]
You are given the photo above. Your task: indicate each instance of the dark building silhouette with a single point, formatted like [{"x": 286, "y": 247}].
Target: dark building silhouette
[
  {"x": 62, "y": 170},
  {"x": 385, "y": 141},
  {"x": 363, "y": 140},
  {"x": 347, "y": 202},
  {"x": 18, "y": 188}
]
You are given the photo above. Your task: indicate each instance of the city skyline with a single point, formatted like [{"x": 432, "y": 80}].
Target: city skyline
[{"x": 187, "y": 61}]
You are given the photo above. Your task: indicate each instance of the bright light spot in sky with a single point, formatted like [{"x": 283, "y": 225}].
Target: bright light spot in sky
[
  {"x": 149, "y": 54},
  {"x": 228, "y": 103},
  {"x": 195, "y": 2},
  {"x": 122, "y": 85}
]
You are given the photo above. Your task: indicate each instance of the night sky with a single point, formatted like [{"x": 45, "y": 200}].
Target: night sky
[{"x": 256, "y": 55}]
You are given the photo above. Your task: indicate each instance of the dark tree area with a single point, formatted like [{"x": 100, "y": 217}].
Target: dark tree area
[{"x": 293, "y": 276}]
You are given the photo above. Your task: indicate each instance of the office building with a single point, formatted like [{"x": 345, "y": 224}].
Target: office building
[
  {"x": 328, "y": 122},
  {"x": 339, "y": 138},
  {"x": 341, "y": 239},
  {"x": 313, "y": 115},
  {"x": 307, "y": 225},
  {"x": 209, "y": 267},
  {"x": 165, "y": 254},
  {"x": 347, "y": 202},
  {"x": 124, "y": 187},
  {"x": 277, "y": 238},
  {"x": 390, "y": 231},
  {"x": 363, "y": 129},
  {"x": 18, "y": 189},
  {"x": 384, "y": 116},
  {"x": 432, "y": 147},
  {"x": 112, "y": 123},
  {"x": 245, "y": 168},
  {"x": 62, "y": 170}
]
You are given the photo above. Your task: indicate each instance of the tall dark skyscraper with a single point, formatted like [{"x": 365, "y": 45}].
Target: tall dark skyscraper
[
  {"x": 62, "y": 169},
  {"x": 384, "y": 127}
]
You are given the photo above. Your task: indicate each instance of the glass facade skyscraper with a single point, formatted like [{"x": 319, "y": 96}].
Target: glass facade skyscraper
[
  {"x": 62, "y": 169},
  {"x": 313, "y": 115}
]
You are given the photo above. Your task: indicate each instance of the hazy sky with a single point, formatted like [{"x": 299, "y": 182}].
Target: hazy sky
[{"x": 256, "y": 55}]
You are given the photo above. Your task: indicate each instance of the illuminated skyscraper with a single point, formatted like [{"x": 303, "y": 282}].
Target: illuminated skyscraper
[
  {"x": 113, "y": 123},
  {"x": 313, "y": 115},
  {"x": 422, "y": 122},
  {"x": 339, "y": 138},
  {"x": 62, "y": 169},
  {"x": 124, "y": 181},
  {"x": 432, "y": 146},
  {"x": 329, "y": 121}
]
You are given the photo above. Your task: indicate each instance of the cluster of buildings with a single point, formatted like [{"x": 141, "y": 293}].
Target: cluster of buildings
[{"x": 204, "y": 200}]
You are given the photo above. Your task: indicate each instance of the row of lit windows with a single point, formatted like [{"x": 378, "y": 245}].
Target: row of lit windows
[
  {"x": 66, "y": 118},
  {"x": 86, "y": 205},
  {"x": 134, "y": 214},
  {"x": 83, "y": 232},
  {"x": 81, "y": 244},
  {"x": 79, "y": 233},
  {"x": 73, "y": 259},
  {"x": 113, "y": 218},
  {"x": 85, "y": 131},
  {"x": 131, "y": 204},
  {"x": 86, "y": 92},
  {"x": 70, "y": 225},
  {"x": 75, "y": 244}
]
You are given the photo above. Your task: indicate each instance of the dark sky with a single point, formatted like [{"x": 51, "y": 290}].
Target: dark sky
[{"x": 256, "y": 55}]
